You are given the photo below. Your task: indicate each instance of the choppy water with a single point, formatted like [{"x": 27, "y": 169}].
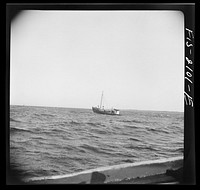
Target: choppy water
[{"x": 48, "y": 141}]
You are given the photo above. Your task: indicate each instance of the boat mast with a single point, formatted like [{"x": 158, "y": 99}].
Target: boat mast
[{"x": 101, "y": 99}]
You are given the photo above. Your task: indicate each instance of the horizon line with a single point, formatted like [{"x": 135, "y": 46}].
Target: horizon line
[{"x": 91, "y": 107}]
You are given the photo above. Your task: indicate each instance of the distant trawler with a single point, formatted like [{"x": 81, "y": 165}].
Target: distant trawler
[{"x": 101, "y": 109}]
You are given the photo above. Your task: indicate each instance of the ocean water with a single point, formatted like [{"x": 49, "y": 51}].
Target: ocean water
[{"x": 46, "y": 141}]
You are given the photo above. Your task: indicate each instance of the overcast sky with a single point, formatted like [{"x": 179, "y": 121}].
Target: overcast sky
[{"x": 67, "y": 58}]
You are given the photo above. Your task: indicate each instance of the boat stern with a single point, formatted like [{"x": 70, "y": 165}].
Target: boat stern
[{"x": 116, "y": 111}]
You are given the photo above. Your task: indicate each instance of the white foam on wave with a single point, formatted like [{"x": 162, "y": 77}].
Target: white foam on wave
[{"x": 101, "y": 169}]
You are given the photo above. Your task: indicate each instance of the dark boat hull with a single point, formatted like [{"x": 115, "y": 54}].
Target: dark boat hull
[{"x": 105, "y": 111}]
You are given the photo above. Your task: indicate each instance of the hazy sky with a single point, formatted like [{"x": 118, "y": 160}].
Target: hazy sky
[{"x": 67, "y": 58}]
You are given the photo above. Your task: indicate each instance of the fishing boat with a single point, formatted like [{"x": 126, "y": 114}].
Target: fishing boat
[{"x": 100, "y": 109}]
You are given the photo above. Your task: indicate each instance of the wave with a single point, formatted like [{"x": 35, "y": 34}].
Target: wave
[
  {"x": 92, "y": 124},
  {"x": 127, "y": 161},
  {"x": 39, "y": 138},
  {"x": 157, "y": 130},
  {"x": 77, "y": 159},
  {"x": 131, "y": 126},
  {"x": 176, "y": 150},
  {"x": 13, "y": 129},
  {"x": 63, "y": 123},
  {"x": 43, "y": 172},
  {"x": 95, "y": 124},
  {"x": 131, "y": 121},
  {"x": 101, "y": 132},
  {"x": 74, "y": 123},
  {"x": 134, "y": 139},
  {"x": 14, "y": 120},
  {"x": 94, "y": 149},
  {"x": 139, "y": 122},
  {"x": 36, "y": 114},
  {"x": 44, "y": 114},
  {"x": 139, "y": 147},
  {"x": 180, "y": 150},
  {"x": 58, "y": 130}
]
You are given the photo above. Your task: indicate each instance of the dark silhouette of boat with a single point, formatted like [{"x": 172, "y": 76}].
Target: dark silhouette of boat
[{"x": 100, "y": 109}]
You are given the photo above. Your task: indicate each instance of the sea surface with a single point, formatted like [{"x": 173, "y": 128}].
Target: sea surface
[{"x": 46, "y": 141}]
